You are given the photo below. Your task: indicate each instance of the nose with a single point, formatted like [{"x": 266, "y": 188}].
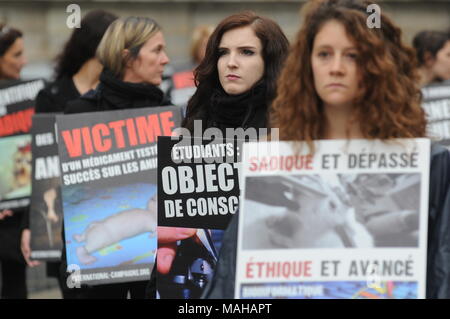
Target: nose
[
  {"x": 232, "y": 61},
  {"x": 165, "y": 59},
  {"x": 337, "y": 66},
  {"x": 24, "y": 61}
]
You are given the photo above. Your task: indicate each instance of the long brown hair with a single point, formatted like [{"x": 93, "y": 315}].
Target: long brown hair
[
  {"x": 274, "y": 50},
  {"x": 388, "y": 104}
]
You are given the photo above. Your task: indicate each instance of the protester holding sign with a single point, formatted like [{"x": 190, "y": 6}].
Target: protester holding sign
[
  {"x": 236, "y": 78},
  {"x": 343, "y": 80},
  {"x": 433, "y": 53},
  {"x": 77, "y": 71},
  {"x": 236, "y": 83},
  {"x": 12, "y": 60},
  {"x": 132, "y": 52}
]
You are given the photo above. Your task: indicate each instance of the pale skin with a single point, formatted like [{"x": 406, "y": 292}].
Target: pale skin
[
  {"x": 12, "y": 61},
  {"x": 149, "y": 65},
  {"x": 87, "y": 76},
  {"x": 240, "y": 64},
  {"x": 336, "y": 79}
]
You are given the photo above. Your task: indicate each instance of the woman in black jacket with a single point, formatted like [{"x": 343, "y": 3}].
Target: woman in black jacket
[
  {"x": 12, "y": 264},
  {"x": 77, "y": 71},
  {"x": 132, "y": 52},
  {"x": 235, "y": 84}
]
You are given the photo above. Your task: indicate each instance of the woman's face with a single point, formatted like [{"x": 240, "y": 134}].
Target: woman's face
[
  {"x": 148, "y": 67},
  {"x": 12, "y": 62},
  {"x": 334, "y": 66},
  {"x": 441, "y": 65},
  {"x": 240, "y": 64}
]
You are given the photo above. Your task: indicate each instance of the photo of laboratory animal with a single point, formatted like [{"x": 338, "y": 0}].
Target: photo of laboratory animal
[
  {"x": 331, "y": 211},
  {"x": 15, "y": 167}
]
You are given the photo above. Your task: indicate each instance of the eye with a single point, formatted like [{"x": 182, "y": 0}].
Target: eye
[
  {"x": 221, "y": 52},
  {"x": 323, "y": 54},
  {"x": 248, "y": 52},
  {"x": 352, "y": 55},
  {"x": 158, "y": 49}
]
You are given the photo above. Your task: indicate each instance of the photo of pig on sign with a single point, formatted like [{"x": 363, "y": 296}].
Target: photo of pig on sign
[
  {"x": 353, "y": 222},
  {"x": 108, "y": 172}
]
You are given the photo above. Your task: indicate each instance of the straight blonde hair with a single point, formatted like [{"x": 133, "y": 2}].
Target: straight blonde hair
[{"x": 125, "y": 34}]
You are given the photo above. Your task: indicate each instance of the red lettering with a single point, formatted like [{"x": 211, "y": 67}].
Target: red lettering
[
  {"x": 99, "y": 137},
  {"x": 253, "y": 164},
  {"x": 118, "y": 133},
  {"x": 166, "y": 123},
  {"x": 285, "y": 163},
  {"x": 148, "y": 129},
  {"x": 131, "y": 129},
  {"x": 98, "y": 132},
  {"x": 88, "y": 148},
  {"x": 72, "y": 141},
  {"x": 18, "y": 122}
]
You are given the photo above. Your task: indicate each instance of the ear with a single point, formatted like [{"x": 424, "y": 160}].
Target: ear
[
  {"x": 428, "y": 59},
  {"x": 126, "y": 58}
]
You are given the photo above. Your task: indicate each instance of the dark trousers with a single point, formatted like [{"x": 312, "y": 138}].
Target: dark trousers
[{"x": 13, "y": 280}]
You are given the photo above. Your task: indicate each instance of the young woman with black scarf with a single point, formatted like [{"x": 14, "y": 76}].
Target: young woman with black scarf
[
  {"x": 236, "y": 82},
  {"x": 132, "y": 52},
  {"x": 236, "y": 79}
]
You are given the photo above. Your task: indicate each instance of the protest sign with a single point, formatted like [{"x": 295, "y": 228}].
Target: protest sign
[
  {"x": 17, "y": 101},
  {"x": 108, "y": 172},
  {"x": 45, "y": 209},
  {"x": 198, "y": 187},
  {"x": 349, "y": 221}
]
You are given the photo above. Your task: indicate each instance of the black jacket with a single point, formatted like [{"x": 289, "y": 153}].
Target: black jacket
[
  {"x": 113, "y": 94},
  {"x": 53, "y": 98},
  {"x": 438, "y": 258}
]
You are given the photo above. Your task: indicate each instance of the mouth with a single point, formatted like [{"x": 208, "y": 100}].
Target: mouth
[
  {"x": 335, "y": 85},
  {"x": 232, "y": 77}
]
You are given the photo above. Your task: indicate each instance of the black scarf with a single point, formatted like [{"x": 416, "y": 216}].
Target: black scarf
[
  {"x": 123, "y": 95},
  {"x": 238, "y": 110}
]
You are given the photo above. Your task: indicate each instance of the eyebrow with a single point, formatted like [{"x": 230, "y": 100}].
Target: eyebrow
[
  {"x": 326, "y": 46},
  {"x": 241, "y": 47}
]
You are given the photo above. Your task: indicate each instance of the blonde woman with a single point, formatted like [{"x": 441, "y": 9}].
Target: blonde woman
[{"x": 133, "y": 54}]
